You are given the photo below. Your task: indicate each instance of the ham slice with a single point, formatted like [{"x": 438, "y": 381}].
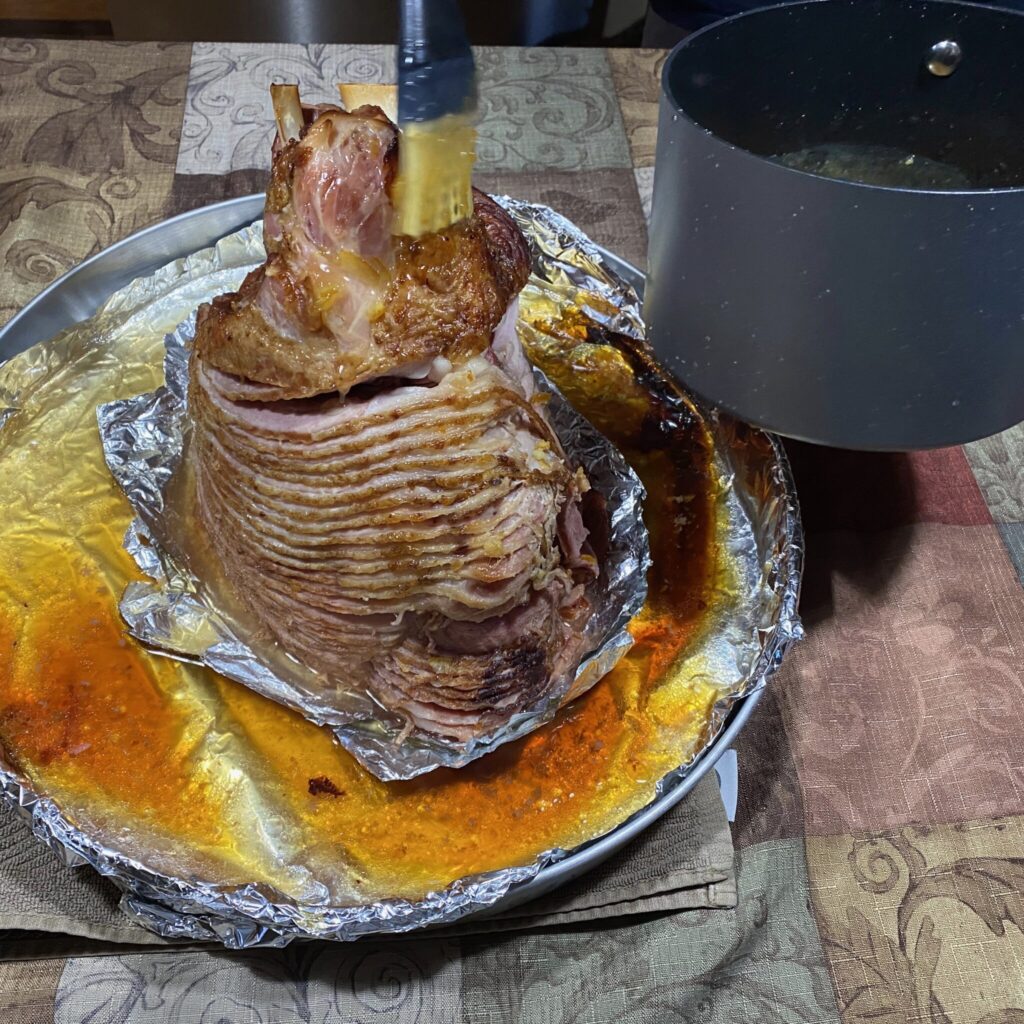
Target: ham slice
[{"x": 374, "y": 468}]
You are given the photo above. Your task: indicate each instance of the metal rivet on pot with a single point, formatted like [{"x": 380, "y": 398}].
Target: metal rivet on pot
[{"x": 944, "y": 58}]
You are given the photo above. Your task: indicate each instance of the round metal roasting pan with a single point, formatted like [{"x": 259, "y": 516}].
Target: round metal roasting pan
[{"x": 79, "y": 293}]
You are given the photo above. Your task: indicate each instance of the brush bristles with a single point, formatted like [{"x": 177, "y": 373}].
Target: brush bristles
[{"x": 435, "y": 167}]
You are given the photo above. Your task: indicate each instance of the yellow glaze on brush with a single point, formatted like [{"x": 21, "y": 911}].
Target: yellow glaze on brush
[
  {"x": 194, "y": 774},
  {"x": 435, "y": 165}
]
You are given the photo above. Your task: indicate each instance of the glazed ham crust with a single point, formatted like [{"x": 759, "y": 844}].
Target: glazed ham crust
[
  {"x": 360, "y": 303},
  {"x": 374, "y": 469}
]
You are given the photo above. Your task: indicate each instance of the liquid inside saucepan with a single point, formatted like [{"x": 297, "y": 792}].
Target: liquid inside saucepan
[{"x": 878, "y": 165}]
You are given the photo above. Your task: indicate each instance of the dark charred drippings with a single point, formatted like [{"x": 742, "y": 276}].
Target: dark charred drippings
[
  {"x": 672, "y": 413},
  {"x": 321, "y": 785},
  {"x": 672, "y": 431},
  {"x": 616, "y": 382}
]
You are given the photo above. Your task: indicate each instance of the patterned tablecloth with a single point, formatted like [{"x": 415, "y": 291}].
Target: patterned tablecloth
[{"x": 880, "y": 833}]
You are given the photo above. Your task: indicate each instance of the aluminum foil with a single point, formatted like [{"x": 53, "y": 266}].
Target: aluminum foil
[
  {"x": 759, "y": 533},
  {"x": 181, "y": 615}
]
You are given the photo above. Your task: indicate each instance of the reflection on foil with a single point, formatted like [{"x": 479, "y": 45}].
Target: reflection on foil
[
  {"x": 181, "y": 614},
  {"x": 756, "y": 505}
]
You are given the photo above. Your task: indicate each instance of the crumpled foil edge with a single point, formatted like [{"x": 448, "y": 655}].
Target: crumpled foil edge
[
  {"x": 246, "y": 916},
  {"x": 782, "y": 568}
]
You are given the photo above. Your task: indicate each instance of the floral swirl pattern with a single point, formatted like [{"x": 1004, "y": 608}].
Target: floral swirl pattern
[
  {"x": 103, "y": 115},
  {"x": 637, "y": 77},
  {"x": 227, "y": 124},
  {"x": 51, "y": 220},
  {"x": 921, "y": 928},
  {"x": 540, "y": 109},
  {"x": 544, "y": 109},
  {"x": 876, "y": 862},
  {"x": 18, "y": 56},
  {"x": 762, "y": 962},
  {"x": 397, "y": 983},
  {"x": 37, "y": 261},
  {"x": 907, "y": 701},
  {"x": 91, "y": 144},
  {"x": 998, "y": 463}
]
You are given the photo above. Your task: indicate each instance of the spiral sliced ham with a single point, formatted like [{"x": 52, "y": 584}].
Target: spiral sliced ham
[{"x": 374, "y": 469}]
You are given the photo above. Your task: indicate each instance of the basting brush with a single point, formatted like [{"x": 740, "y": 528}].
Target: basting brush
[{"x": 436, "y": 111}]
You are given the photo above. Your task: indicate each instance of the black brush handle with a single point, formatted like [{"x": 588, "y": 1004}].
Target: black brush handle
[{"x": 436, "y": 74}]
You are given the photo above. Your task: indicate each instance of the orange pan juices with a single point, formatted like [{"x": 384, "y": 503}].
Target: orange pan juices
[{"x": 195, "y": 775}]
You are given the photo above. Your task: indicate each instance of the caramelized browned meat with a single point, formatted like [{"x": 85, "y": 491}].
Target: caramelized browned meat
[
  {"x": 373, "y": 469},
  {"x": 339, "y": 301}
]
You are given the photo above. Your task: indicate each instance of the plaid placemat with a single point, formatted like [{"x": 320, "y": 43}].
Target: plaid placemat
[{"x": 880, "y": 867}]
